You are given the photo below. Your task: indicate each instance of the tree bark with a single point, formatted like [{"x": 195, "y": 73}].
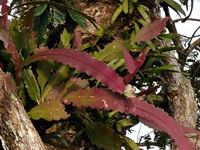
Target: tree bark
[
  {"x": 16, "y": 130},
  {"x": 183, "y": 104},
  {"x": 180, "y": 92}
]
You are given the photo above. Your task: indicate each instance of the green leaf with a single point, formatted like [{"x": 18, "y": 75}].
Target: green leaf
[
  {"x": 19, "y": 38},
  {"x": 133, "y": 34},
  {"x": 190, "y": 135},
  {"x": 59, "y": 76},
  {"x": 30, "y": 45},
  {"x": 125, "y": 6},
  {"x": 151, "y": 45},
  {"x": 5, "y": 56},
  {"x": 131, "y": 9},
  {"x": 129, "y": 144},
  {"x": 163, "y": 69},
  {"x": 59, "y": 16},
  {"x": 155, "y": 98},
  {"x": 103, "y": 136},
  {"x": 116, "y": 14},
  {"x": 123, "y": 123},
  {"x": 168, "y": 36},
  {"x": 136, "y": 26},
  {"x": 72, "y": 84},
  {"x": 118, "y": 64},
  {"x": 44, "y": 72},
  {"x": 65, "y": 39},
  {"x": 40, "y": 23},
  {"x": 166, "y": 49},
  {"x": 31, "y": 84},
  {"x": 175, "y": 5},
  {"x": 153, "y": 78},
  {"x": 144, "y": 14},
  {"x": 144, "y": 23},
  {"x": 124, "y": 35},
  {"x": 149, "y": 62},
  {"x": 80, "y": 19},
  {"x": 24, "y": 41},
  {"x": 40, "y": 9},
  {"x": 49, "y": 110},
  {"x": 113, "y": 51}
]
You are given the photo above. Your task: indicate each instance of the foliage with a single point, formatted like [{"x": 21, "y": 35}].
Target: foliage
[{"x": 46, "y": 68}]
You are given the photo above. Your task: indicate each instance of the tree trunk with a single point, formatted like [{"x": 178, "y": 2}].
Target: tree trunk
[
  {"x": 17, "y": 131},
  {"x": 180, "y": 92},
  {"x": 183, "y": 104}
]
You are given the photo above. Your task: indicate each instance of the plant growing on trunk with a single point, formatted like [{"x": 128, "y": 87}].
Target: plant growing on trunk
[{"x": 50, "y": 80}]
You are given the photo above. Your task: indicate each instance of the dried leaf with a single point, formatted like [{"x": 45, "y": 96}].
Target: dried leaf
[
  {"x": 4, "y": 34},
  {"x": 28, "y": 18},
  {"x": 77, "y": 41}
]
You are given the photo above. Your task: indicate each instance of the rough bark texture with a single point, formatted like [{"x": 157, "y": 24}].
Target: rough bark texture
[
  {"x": 180, "y": 92},
  {"x": 16, "y": 129},
  {"x": 181, "y": 97}
]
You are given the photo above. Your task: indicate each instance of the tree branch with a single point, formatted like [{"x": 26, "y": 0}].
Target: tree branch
[
  {"x": 191, "y": 19},
  {"x": 192, "y": 46},
  {"x": 172, "y": 29},
  {"x": 192, "y": 37}
]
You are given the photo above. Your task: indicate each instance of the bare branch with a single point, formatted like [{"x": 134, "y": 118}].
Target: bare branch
[
  {"x": 190, "y": 19},
  {"x": 193, "y": 46},
  {"x": 189, "y": 37},
  {"x": 192, "y": 37},
  {"x": 172, "y": 29}
]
